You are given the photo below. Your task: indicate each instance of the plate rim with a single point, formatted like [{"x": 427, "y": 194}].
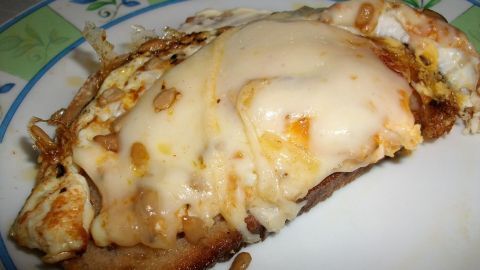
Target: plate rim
[{"x": 6, "y": 259}]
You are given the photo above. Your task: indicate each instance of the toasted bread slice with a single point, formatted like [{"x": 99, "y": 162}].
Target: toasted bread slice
[{"x": 218, "y": 245}]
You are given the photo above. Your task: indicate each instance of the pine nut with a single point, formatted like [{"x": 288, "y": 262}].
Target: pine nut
[
  {"x": 194, "y": 229},
  {"x": 109, "y": 141},
  {"x": 165, "y": 99},
  {"x": 139, "y": 155},
  {"x": 110, "y": 95},
  {"x": 241, "y": 262}
]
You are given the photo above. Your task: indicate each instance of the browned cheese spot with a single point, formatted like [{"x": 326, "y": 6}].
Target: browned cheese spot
[
  {"x": 59, "y": 215},
  {"x": 109, "y": 141},
  {"x": 110, "y": 95},
  {"x": 238, "y": 155},
  {"x": 201, "y": 163},
  {"x": 298, "y": 131},
  {"x": 165, "y": 99},
  {"x": 405, "y": 100}
]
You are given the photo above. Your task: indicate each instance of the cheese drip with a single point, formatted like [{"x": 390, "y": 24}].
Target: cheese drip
[{"x": 263, "y": 114}]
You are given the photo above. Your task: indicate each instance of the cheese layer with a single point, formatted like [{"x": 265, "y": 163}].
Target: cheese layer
[{"x": 261, "y": 115}]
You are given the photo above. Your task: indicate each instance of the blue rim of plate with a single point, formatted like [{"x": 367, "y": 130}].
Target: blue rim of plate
[
  {"x": 4, "y": 255},
  {"x": 5, "y": 258}
]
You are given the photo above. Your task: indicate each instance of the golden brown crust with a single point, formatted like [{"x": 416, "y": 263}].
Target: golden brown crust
[
  {"x": 220, "y": 244},
  {"x": 89, "y": 90},
  {"x": 329, "y": 185},
  {"x": 436, "y": 118},
  {"x": 435, "y": 115}
]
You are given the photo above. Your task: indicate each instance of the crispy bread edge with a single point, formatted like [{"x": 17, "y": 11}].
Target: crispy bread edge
[{"x": 219, "y": 245}]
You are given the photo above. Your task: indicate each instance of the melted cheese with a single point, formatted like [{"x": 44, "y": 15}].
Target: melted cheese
[
  {"x": 265, "y": 112},
  {"x": 211, "y": 19}
]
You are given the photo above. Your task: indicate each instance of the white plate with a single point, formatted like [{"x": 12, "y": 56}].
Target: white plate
[{"x": 417, "y": 212}]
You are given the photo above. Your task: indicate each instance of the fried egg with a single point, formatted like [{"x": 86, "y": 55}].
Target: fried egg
[{"x": 258, "y": 119}]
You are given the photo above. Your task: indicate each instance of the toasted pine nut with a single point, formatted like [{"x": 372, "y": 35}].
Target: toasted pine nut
[
  {"x": 194, "y": 229},
  {"x": 156, "y": 63},
  {"x": 109, "y": 141},
  {"x": 364, "y": 17},
  {"x": 155, "y": 44},
  {"x": 241, "y": 262},
  {"x": 187, "y": 39},
  {"x": 165, "y": 99},
  {"x": 146, "y": 204},
  {"x": 139, "y": 155},
  {"x": 110, "y": 95}
]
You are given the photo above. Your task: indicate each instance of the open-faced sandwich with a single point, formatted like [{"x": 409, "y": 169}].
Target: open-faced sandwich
[{"x": 176, "y": 155}]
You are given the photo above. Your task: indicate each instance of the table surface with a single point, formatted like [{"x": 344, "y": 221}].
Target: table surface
[{"x": 11, "y": 8}]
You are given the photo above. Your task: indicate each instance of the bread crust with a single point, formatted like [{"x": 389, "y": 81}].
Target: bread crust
[{"x": 221, "y": 243}]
